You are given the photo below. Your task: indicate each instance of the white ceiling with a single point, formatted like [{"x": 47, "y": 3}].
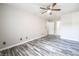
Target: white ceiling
[{"x": 34, "y": 8}]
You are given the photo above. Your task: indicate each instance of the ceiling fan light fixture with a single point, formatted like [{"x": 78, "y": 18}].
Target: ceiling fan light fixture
[{"x": 49, "y": 12}]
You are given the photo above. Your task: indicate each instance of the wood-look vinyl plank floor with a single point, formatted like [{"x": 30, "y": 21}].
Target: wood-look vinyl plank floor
[{"x": 45, "y": 46}]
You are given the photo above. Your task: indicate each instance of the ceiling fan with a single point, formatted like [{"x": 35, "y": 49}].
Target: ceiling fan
[{"x": 50, "y": 8}]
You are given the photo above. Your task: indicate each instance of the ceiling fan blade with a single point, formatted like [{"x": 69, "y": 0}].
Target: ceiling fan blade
[
  {"x": 56, "y": 9},
  {"x": 48, "y": 7},
  {"x": 43, "y": 8},
  {"x": 53, "y": 4},
  {"x": 43, "y": 12}
]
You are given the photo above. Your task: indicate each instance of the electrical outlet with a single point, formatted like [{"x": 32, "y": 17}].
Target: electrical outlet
[
  {"x": 4, "y": 43},
  {"x": 26, "y": 37},
  {"x": 20, "y": 38}
]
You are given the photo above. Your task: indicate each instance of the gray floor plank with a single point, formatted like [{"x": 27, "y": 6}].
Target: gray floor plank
[{"x": 46, "y": 46}]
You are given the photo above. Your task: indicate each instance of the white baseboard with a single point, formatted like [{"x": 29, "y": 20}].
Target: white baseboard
[{"x": 21, "y": 43}]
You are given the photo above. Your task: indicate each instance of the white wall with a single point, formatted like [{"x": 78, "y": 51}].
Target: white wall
[
  {"x": 69, "y": 28},
  {"x": 16, "y": 24}
]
